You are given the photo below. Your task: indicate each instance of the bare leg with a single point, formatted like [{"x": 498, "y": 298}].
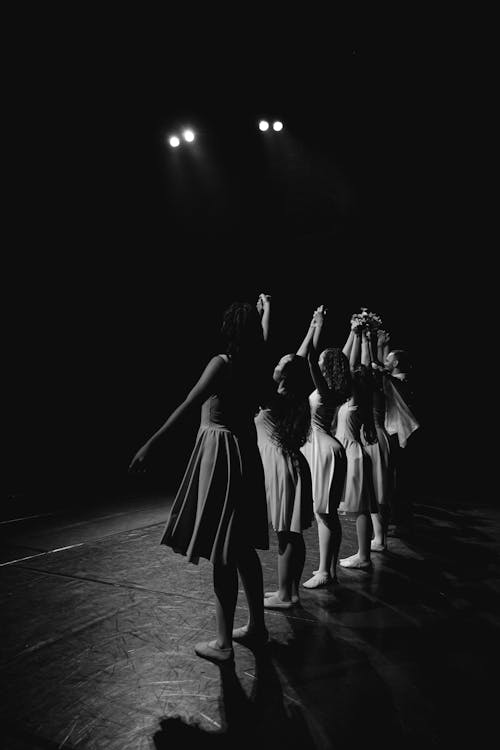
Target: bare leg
[
  {"x": 378, "y": 541},
  {"x": 226, "y": 594},
  {"x": 285, "y": 566},
  {"x": 250, "y": 571},
  {"x": 282, "y": 599},
  {"x": 361, "y": 559},
  {"x": 299, "y": 562},
  {"x": 330, "y": 537}
]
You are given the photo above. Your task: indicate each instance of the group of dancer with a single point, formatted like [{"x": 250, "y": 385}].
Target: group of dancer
[{"x": 270, "y": 451}]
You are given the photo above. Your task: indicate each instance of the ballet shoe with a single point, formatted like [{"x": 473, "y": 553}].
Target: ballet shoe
[
  {"x": 211, "y": 651},
  {"x": 251, "y": 639},
  {"x": 354, "y": 562},
  {"x": 318, "y": 580},
  {"x": 333, "y": 576},
  {"x": 376, "y": 547},
  {"x": 274, "y": 602},
  {"x": 295, "y": 597}
]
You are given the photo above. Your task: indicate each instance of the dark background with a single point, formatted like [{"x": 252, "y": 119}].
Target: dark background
[{"x": 122, "y": 254}]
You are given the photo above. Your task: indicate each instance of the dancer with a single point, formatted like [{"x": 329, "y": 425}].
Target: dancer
[
  {"x": 378, "y": 451},
  {"x": 324, "y": 453},
  {"x": 282, "y": 428},
  {"x": 353, "y": 416},
  {"x": 219, "y": 512},
  {"x": 400, "y": 423}
]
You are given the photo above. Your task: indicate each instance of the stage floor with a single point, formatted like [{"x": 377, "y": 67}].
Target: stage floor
[{"x": 99, "y": 624}]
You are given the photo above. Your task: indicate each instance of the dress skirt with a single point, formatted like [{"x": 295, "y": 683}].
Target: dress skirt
[
  {"x": 328, "y": 463},
  {"x": 220, "y": 506}
]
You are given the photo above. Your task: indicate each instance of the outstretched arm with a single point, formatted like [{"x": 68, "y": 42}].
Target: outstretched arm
[{"x": 205, "y": 386}]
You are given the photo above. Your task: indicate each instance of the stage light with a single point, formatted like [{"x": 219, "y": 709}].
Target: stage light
[
  {"x": 188, "y": 135},
  {"x": 263, "y": 125},
  {"x": 174, "y": 141},
  {"x": 278, "y": 125}
]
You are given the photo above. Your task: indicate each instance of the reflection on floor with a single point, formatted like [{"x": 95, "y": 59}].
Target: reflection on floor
[{"x": 99, "y": 623}]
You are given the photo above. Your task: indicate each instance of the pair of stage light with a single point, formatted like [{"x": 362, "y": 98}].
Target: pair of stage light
[
  {"x": 187, "y": 135},
  {"x": 264, "y": 125}
]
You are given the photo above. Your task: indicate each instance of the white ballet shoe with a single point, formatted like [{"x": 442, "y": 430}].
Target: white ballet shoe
[
  {"x": 318, "y": 580},
  {"x": 274, "y": 602},
  {"x": 354, "y": 562},
  {"x": 295, "y": 597}
]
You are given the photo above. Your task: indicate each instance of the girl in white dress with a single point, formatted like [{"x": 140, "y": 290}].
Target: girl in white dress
[
  {"x": 282, "y": 428},
  {"x": 353, "y": 417},
  {"x": 324, "y": 453}
]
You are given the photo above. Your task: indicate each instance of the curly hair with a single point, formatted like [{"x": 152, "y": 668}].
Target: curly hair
[
  {"x": 337, "y": 373},
  {"x": 290, "y": 411},
  {"x": 241, "y": 330}
]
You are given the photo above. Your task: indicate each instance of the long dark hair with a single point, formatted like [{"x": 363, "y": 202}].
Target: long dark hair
[
  {"x": 337, "y": 373},
  {"x": 290, "y": 411},
  {"x": 241, "y": 331},
  {"x": 363, "y": 379}
]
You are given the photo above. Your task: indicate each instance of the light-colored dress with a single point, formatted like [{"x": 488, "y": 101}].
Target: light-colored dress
[
  {"x": 380, "y": 452},
  {"x": 288, "y": 481},
  {"x": 221, "y": 502},
  {"x": 358, "y": 495},
  {"x": 325, "y": 455}
]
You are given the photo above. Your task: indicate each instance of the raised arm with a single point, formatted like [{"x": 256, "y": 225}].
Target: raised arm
[
  {"x": 313, "y": 352},
  {"x": 382, "y": 346},
  {"x": 308, "y": 339},
  {"x": 205, "y": 386},
  {"x": 348, "y": 344},
  {"x": 264, "y": 309},
  {"x": 355, "y": 354},
  {"x": 365, "y": 348}
]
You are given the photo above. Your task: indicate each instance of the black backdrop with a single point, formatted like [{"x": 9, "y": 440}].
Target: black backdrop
[{"x": 123, "y": 254}]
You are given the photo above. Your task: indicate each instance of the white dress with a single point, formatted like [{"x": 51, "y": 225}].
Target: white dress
[
  {"x": 380, "y": 453},
  {"x": 325, "y": 455},
  {"x": 287, "y": 481},
  {"x": 358, "y": 495}
]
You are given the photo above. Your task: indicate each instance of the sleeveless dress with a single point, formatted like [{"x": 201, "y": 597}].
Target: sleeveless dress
[
  {"x": 325, "y": 455},
  {"x": 380, "y": 452},
  {"x": 288, "y": 482},
  {"x": 358, "y": 495},
  {"x": 221, "y": 502}
]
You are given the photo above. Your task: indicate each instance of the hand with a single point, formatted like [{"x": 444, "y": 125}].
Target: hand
[
  {"x": 137, "y": 465},
  {"x": 318, "y": 317},
  {"x": 265, "y": 300}
]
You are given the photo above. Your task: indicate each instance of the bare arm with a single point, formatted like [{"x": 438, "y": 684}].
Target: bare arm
[
  {"x": 264, "y": 308},
  {"x": 382, "y": 346},
  {"x": 348, "y": 344},
  {"x": 308, "y": 338},
  {"x": 365, "y": 349},
  {"x": 205, "y": 386},
  {"x": 355, "y": 355},
  {"x": 313, "y": 353}
]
